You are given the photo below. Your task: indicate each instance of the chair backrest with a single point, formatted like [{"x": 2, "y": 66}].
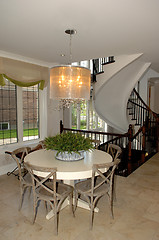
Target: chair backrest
[
  {"x": 114, "y": 151},
  {"x": 50, "y": 173},
  {"x": 18, "y": 155},
  {"x": 99, "y": 170},
  {"x": 38, "y": 147},
  {"x": 96, "y": 143}
]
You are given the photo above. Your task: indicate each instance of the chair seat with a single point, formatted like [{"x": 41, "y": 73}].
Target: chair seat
[{"x": 61, "y": 190}]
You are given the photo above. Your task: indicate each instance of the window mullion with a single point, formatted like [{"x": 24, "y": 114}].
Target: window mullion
[
  {"x": 88, "y": 116},
  {"x": 20, "y": 114},
  {"x": 43, "y": 109},
  {"x": 78, "y": 115}
]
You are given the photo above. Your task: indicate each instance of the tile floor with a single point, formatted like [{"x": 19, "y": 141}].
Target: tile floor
[{"x": 136, "y": 212}]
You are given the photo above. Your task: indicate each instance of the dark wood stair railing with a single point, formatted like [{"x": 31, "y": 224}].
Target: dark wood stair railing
[
  {"x": 136, "y": 147},
  {"x": 143, "y": 115}
]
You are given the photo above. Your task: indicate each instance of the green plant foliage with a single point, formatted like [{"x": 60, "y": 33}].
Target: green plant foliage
[{"x": 70, "y": 142}]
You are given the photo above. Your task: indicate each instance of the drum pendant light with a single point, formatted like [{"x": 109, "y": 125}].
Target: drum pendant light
[{"x": 70, "y": 83}]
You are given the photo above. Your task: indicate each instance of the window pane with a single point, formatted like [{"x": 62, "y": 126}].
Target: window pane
[
  {"x": 83, "y": 115},
  {"x": 74, "y": 116},
  {"x": 8, "y": 114},
  {"x": 86, "y": 114},
  {"x": 30, "y": 113}
]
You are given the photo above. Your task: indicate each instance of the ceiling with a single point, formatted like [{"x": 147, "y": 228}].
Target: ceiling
[{"x": 34, "y": 30}]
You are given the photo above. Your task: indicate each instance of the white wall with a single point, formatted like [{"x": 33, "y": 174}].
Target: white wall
[
  {"x": 156, "y": 98},
  {"x": 54, "y": 117},
  {"x": 154, "y": 94},
  {"x": 143, "y": 89}
]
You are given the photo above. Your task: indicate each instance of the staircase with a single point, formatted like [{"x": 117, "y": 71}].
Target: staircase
[
  {"x": 118, "y": 103},
  {"x": 113, "y": 88}
]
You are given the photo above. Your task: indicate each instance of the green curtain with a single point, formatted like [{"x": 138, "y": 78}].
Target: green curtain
[{"x": 21, "y": 84}]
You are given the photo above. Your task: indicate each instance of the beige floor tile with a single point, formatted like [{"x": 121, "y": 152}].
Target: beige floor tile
[{"x": 136, "y": 212}]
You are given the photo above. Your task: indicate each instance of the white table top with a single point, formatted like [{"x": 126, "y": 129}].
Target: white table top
[{"x": 68, "y": 170}]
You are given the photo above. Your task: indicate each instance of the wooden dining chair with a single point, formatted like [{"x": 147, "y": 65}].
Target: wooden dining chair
[
  {"x": 24, "y": 178},
  {"x": 114, "y": 151},
  {"x": 38, "y": 147},
  {"x": 96, "y": 143},
  {"x": 94, "y": 188},
  {"x": 49, "y": 190}
]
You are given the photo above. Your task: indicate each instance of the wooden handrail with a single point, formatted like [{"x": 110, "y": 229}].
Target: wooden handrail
[
  {"x": 89, "y": 131},
  {"x": 137, "y": 104},
  {"x": 140, "y": 130},
  {"x": 95, "y": 132}
]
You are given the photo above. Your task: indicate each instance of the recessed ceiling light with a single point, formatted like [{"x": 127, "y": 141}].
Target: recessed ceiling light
[{"x": 62, "y": 55}]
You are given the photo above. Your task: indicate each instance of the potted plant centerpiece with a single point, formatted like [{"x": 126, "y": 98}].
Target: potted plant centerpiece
[{"x": 68, "y": 146}]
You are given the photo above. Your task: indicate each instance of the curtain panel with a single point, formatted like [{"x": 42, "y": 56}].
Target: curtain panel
[{"x": 23, "y": 74}]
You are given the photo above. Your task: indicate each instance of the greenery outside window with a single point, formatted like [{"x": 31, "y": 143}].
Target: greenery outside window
[
  {"x": 8, "y": 113},
  {"x": 30, "y": 113},
  {"x": 19, "y": 113}
]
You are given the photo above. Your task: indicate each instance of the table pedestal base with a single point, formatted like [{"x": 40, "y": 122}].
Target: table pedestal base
[{"x": 80, "y": 202}]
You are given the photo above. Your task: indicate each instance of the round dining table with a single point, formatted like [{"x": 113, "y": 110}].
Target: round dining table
[{"x": 68, "y": 171}]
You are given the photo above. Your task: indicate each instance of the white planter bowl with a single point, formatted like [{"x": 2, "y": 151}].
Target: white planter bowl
[{"x": 65, "y": 156}]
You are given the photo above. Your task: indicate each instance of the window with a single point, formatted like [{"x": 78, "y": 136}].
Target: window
[
  {"x": 30, "y": 113},
  {"x": 8, "y": 113},
  {"x": 84, "y": 117},
  {"x": 19, "y": 113},
  {"x": 4, "y": 126}
]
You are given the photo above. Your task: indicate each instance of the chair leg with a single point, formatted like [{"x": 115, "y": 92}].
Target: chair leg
[
  {"x": 22, "y": 192},
  {"x": 12, "y": 172},
  {"x": 91, "y": 217},
  {"x": 76, "y": 200},
  {"x": 91, "y": 211},
  {"x": 56, "y": 219},
  {"x": 71, "y": 203},
  {"x": 111, "y": 204},
  {"x": 36, "y": 205},
  {"x": 114, "y": 188},
  {"x": 21, "y": 201}
]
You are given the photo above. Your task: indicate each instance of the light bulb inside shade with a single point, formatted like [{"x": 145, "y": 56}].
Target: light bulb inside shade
[{"x": 70, "y": 82}]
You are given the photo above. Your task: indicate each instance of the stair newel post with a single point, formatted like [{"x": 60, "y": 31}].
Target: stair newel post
[
  {"x": 61, "y": 126},
  {"x": 130, "y": 135},
  {"x": 143, "y": 143}
]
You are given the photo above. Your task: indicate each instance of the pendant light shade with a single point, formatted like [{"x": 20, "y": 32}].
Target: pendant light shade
[{"x": 70, "y": 82}]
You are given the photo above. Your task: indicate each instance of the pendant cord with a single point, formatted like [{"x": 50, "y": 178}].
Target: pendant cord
[{"x": 70, "y": 48}]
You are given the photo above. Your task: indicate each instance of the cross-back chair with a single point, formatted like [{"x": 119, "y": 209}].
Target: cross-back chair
[
  {"x": 96, "y": 143},
  {"x": 49, "y": 190},
  {"x": 94, "y": 188},
  {"x": 38, "y": 147},
  {"x": 114, "y": 151},
  {"x": 25, "y": 180}
]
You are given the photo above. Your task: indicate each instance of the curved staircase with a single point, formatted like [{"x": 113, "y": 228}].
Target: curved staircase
[{"x": 113, "y": 88}]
